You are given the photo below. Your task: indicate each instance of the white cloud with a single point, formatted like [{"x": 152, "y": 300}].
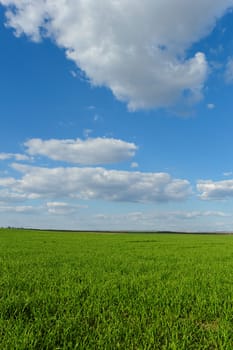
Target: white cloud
[
  {"x": 90, "y": 151},
  {"x": 215, "y": 190},
  {"x": 210, "y": 105},
  {"x": 228, "y": 173},
  {"x": 91, "y": 108},
  {"x": 134, "y": 165},
  {"x": 229, "y": 71},
  {"x": 9, "y": 195},
  {"x": 7, "y": 181},
  {"x": 169, "y": 220},
  {"x": 197, "y": 214},
  {"x": 73, "y": 73},
  {"x": 20, "y": 209},
  {"x": 87, "y": 220},
  {"x": 99, "y": 183},
  {"x": 97, "y": 118},
  {"x": 63, "y": 208},
  {"x": 164, "y": 216},
  {"x": 136, "y": 48},
  {"x": 87, "y": 132},
  {"x": 5, "y": 156},
  {"x": 16, "y": 156}
]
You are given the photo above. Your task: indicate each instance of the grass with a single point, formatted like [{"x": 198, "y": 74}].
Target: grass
[{"x": 115, "y": 291}]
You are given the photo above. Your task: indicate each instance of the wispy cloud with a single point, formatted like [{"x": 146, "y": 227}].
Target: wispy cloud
[
  {"x": 63, "y": 208},
  {"x": 210, "y": 105},
  {"x": 134, "y": 165},
  {"x": 19, "y": 209},
  {"x": 16, "y": 156},
  {"x": 87, "y": 132},
  {"x": 73, "y": 73},
  {"x": 169, "y": 220},
  {"x": 229, "y": 71}
]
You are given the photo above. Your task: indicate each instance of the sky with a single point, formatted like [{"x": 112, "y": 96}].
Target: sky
[{"x": 116, "y": 114}]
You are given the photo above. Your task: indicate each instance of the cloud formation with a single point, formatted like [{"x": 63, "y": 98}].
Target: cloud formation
[
  {"x": 169, "y": 220},
  {"x": 16, "y": 156},
  {"x": 228, "y": 74},
  {"x": 215, "y": 190},
  {"x": 137, "y": 49},
  {"x": 92, "y": 151},
  {"x": 210, "y": 105},
  {"x": 19, "y": 209},
  {"x": 62, "y": 208},
  {"x": 96, "y": 183},
  {"x": 152, "y": 218}
]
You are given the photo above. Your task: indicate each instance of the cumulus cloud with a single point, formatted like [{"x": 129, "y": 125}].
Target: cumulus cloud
[
  {"x": 135, "y": 48},
  {"x": 90, "y": 151},
  {"x": 216, "y": 190},
  {"x": 99, "y": 183}
]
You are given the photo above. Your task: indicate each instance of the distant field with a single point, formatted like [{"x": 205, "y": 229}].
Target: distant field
[{"x": 115, "y": 291}]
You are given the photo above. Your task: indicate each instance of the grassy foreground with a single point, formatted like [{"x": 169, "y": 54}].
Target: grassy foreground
[{"x": 109, "y": 291}]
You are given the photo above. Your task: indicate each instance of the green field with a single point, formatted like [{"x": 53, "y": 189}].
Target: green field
[{"x": 115, "y": 291}]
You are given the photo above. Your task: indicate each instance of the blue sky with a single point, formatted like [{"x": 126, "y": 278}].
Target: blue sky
[{"x": 116, "y": 115}]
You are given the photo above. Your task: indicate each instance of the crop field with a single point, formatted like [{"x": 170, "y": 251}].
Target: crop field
[{"x": 63, "y": 290}]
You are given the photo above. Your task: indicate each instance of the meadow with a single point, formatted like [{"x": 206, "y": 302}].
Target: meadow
[{"x": 63, "y": 290}]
